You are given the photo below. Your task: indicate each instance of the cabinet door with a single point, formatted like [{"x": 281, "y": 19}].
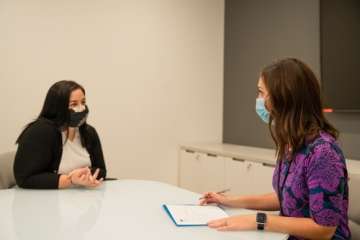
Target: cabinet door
[
  {"x": 236, "y": 176},
  {"x": 212, "y": 173},
  {"x": 190, "y": 166},
  {"x": 260, "y": 176},
  {"x": 201, "y": 172},
  {"x": 247, "y": 177}
]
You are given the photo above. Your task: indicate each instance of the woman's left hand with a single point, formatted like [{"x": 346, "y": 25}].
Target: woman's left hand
[{"x": 242, "y": 222}]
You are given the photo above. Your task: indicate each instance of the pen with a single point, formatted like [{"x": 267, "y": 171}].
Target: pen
[{"x": 220, "y": 192}]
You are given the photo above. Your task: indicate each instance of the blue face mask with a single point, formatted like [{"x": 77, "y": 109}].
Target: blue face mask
[{"x": 261, "y": 110}]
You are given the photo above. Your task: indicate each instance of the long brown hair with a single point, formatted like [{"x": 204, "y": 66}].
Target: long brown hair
[
  {"x": 296, "y": 112},
  {"x": 56, "y": 109}
]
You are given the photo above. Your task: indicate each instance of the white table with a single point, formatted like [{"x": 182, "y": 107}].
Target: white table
[{"x": 124, "y": 209}]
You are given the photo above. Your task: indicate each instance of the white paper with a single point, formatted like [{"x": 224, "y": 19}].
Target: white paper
[{"x": 195, "y": 214}]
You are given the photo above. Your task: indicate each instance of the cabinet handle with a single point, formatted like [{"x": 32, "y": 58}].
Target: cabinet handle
[
  {"x": 189, "y": 151},
  {"x": 248, "y": 167},
  {"x": 238, "y": 159},
  {"x": 211, "y": 155},
  {"x": 268, "y": 165}
]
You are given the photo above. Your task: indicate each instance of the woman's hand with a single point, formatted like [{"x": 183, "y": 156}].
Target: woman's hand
[
  {"x": 242, "y": 222},
  {"x": 213, "y": 197},
  {"x": 83, "y": 177}
]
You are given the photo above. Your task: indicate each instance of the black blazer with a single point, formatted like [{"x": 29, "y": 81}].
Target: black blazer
[{"x": 39, "y": 153}]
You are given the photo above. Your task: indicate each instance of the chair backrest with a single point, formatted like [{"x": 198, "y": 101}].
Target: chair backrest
[
  {"x": 354, "y": 205},
  {"x": 7, "y": 179}
]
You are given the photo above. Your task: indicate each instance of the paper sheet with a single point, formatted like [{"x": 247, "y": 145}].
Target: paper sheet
[{"x": 194, "y": 214}]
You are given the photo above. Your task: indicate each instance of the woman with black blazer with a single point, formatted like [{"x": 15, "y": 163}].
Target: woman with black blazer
[{"x": 59, "y": 149}]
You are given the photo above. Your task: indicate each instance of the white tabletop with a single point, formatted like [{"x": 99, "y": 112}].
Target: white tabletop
[{"x": 124, "y": 209}]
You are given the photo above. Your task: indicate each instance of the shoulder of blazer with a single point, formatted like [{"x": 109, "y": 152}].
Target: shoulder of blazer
[
  {"x": 41, "y": 129},
  {"x": 93, "y": 138},
  {"x": 92, "y": 132}
]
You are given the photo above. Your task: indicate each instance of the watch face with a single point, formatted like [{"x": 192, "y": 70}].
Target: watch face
[{"x": 261, "y": 218}]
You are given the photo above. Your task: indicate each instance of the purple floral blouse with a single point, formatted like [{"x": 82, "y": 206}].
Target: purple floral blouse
[{"x": 316, "y": 185}]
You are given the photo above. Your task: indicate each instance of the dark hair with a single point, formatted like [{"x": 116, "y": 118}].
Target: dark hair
[
  {"x": 296, "y": 105},
  {"x": 56, "y": 108}
]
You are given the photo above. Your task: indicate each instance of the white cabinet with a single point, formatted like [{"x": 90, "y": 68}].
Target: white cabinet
[
  {"x": 200, "y": 172},
  {"x": 190, "y": 166},
  {"x": 248, "y": 177},
  {"x": 260, "y": 176},
  {"x": 243, "y": 169},
  {"x": 204, "y": 170},
  {"x": 236, "y": 175}
]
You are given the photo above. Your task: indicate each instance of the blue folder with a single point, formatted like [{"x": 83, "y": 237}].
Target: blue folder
[{"x": 179, "y": 225}]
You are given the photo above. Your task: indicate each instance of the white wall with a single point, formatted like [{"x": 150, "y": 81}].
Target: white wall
[{"x": 153, "y": 71}]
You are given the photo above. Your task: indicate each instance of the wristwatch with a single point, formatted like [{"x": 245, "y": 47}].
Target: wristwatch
[{"x": 260, "y": 220}]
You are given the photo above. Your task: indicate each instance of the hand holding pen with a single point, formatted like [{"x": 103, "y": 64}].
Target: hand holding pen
[{"x": 214, "y": 197}]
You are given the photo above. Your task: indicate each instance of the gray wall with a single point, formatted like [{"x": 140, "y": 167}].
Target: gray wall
[{"x": 256, "y": 33}]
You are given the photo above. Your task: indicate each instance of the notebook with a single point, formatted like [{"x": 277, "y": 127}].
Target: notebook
[{"x": 193, "y": 215}]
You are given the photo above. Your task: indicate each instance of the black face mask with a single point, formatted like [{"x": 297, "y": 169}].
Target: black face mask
[{"x": 78, "y": 118}]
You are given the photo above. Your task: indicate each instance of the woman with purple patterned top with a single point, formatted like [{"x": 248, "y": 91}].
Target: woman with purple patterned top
[{"x": 310, "y": 178}]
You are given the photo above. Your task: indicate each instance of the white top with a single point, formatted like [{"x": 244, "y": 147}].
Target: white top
[
  {"x": 74, "y": 155},
  {"x": 123, "y": 209}
]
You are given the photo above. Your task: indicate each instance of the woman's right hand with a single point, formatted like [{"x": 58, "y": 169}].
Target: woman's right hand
[
  {"x": 83, "y": 177},
  {"x": 213, "y": 197}
]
